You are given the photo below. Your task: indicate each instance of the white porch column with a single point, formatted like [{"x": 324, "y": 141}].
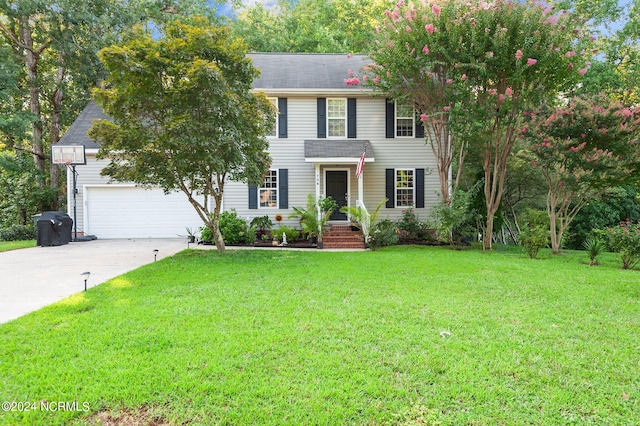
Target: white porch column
[
  {"x": 360, "y": 201},
  {"x": 317, "y": 166}
]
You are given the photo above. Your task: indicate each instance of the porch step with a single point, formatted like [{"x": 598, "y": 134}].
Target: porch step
[{"x": 342, "y": 236}]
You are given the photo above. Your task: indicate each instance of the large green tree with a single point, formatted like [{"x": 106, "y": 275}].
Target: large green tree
[
  {"x": 484, "y": 63},
  {"x": 185, "y": 116},
  {"x": 310, "y": 26},
  {"x": 52, "y": 45}
]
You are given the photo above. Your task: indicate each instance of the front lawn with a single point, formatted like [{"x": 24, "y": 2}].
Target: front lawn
[
  {"x": 406, "y": 335},
  {"x": 14, "y": 245}
]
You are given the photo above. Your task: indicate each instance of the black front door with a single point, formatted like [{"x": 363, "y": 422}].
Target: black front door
[{"x": 337, "y": 189}]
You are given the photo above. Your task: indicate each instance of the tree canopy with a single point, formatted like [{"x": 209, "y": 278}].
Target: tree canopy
[{"x": 184, "y": 114}]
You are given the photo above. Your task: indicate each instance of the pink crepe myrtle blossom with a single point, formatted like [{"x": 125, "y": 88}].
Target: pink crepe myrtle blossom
[
  {"x": 425, "y": 49},
  {"x": 531, "y": 62},
  {"x": 464, "y": 77},
  {"x": 365, "y": 78},
  {"x": 353, "y": 81},
  {"x": 429, "y": 28},
  {"x": 446, "y": 108},
  {"x": 570, "y": 54},
  {"x": 423, "y": 117},
  {"x": 408, "y": 28},
  {"x": 583, "y": 71},
  {"x": 519, "y": 54},
  {"x": 509, "y": 91},
  {"x": 449, "y": 81},
  {"x": 436, "y": 10},
  {"x": 376, "y": 79},
  {"x": 350, "y": 72},
  {"x": 500, "y": 97}
]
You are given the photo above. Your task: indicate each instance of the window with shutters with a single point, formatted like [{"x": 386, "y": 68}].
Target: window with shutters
[
  {"x": 336, "y": 118},
  {"x": 405, "y": 188},
  {"x": 405, "y": 116},
  {"x": 268, "y": 192}
]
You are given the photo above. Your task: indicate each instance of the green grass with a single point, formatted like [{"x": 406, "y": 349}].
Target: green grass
[
  {"x": 14, "y": 245},
  {"x": 406, "y": 335}
]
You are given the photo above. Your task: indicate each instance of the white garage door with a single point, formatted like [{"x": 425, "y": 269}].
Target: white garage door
[{"x": 130, "y": 212}]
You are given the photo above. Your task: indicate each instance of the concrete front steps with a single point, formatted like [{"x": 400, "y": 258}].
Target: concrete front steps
[{"x": 342, "y": 237}]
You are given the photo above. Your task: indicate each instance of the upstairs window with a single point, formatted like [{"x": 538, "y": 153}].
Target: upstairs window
[
  {"x": 337, "y": 118},
  {"x": 405, "y": 116},
  {"x": 274, "y": 132}
]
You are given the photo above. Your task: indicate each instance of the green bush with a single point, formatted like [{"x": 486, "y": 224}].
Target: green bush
[
  {"x": 594, "y": 246},
  {"x": 235, "y": 230},
  {"x": 535, "y": 232},
  {"x": 292, "y": 234},
  {"x": 457, "y": 221},
  {"x": 18, "y": 233},
  {"x": 384, "y": 234},
  {"x": 625, "y": 239},
  {"x": 412, "y": 228}
]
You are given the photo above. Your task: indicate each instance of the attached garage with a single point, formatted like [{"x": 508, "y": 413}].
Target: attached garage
[{"x": 120, "y": 211}]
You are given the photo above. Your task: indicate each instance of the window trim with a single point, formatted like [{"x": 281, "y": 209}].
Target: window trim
[
  {"x": 344, "y": 118},
  {"x": 395, "y": 188},
  {"x": 396, "y": 117},
  {"x": 277, "y": 189}
]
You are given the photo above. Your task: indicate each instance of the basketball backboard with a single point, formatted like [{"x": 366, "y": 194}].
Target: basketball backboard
[{"x": 68, "y": 154}]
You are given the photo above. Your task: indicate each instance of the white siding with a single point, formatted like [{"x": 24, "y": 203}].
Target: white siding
[
  {"x": 289, "y": 154},
  {"x": 389, "y": 153}
]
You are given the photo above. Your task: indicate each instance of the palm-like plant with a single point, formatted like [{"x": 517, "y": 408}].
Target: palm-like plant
[
  {"x": 594, "y": 247},
  {"x": 362, "y": 217}
]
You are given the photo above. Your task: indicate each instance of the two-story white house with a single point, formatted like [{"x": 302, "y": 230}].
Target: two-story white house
[{"x": 323, "y": 127}]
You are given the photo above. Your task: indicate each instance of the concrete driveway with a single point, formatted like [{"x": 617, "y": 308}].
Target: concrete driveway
[{"x": 36, "y": 277}]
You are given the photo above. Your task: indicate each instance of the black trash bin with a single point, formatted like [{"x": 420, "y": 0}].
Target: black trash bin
[{"x": 54, "y": 229}]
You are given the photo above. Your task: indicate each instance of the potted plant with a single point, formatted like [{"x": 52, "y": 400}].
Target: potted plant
[
  {"x": 191, "y": 235},
  {"x": 315, "y": 216},
  {"x": 263, "y": 225}
]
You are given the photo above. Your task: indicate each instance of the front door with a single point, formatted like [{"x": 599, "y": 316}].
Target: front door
[{"x": 336, "y": 188}]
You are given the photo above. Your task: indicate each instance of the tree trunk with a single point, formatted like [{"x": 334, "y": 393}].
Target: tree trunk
[
  {"x": 56, "y": 113},
  {"x": 31, "y": 62},
  {"x": 217, "y": 236}
]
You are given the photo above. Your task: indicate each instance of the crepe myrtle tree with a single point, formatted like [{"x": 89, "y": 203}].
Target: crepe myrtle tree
[
  {"x": 472, "y": 68},
  {"x": 582, "y": 149},
  {"x": 184, "y": 114}
]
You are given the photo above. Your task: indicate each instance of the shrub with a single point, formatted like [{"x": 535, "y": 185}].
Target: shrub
[
  {"x": 18, "y": 233},
  {"x": 384, "y": 234},
  {"x": 412, "y": 228},
  {"x": 458, "y": 220},
  {"x": 535, "y": 232},
  {"x": 235, "y": 230},
  {"x": 625, "y": 239},
  {"x": 262, "y": 223},
  {"x": 292, "y": 234}
]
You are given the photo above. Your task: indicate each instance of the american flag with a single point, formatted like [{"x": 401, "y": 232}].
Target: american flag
[{"x": 360, "y": 166}]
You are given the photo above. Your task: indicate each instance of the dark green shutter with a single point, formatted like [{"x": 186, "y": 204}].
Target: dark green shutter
[
  {"x": 253, "y": 197},
  {"x": 283, "y": 188},
  {"x": 282, "y": 117},
  {"x": 419, "y": 179},
  {"x": 322, "y": 117},
  {"x": 390, "y": 112},
  {"x": 390, "y": 184},
  {"x": 351, "y": 118},
  {"x": 419, "y": 128}
]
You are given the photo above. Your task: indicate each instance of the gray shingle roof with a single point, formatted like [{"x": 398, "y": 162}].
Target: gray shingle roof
[
  {"x": 279, "y": 71},
  {"x": 337, "y": 148},
  {"x": 77, "y": 133},
  {"x": 306, "y": 70}
]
